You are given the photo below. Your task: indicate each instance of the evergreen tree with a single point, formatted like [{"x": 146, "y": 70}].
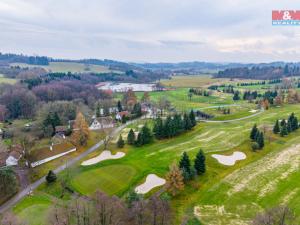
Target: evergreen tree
[
  {"x": 137, "y": 109},
  {"x": 168, "y": 127},
  {"x": 51, "y": 177},
  {"x": 283, "y": 131},
  {"x": 192, "y": 118},
  {"x": 187, "y": 122},
  {"x": 146, "y": 134},
  {"x": 98, "y": 114},
  {"x": 253, "y": 132},
  {"x": 236, "y": 96},
  {"x": 139, "y": 141},
  {"x": 289, "y": 126},
  {"x": 120, "y": 142},
  {"x": 199, "y": 165},
  {"x": 178, "y": 124},
  {"x": 185, "y": 163},
  {"x": 119, "y": 105},
  {"x": 260, "y": 140},
  {"x": 158, "y": 128},
  {"x": 295, "y": 124},
  {"x": 276, "y": 128},
  {"x": 131, "y": 137}
]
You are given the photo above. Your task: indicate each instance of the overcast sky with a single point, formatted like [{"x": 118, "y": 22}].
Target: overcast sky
[{"x": 149, "y": 30}]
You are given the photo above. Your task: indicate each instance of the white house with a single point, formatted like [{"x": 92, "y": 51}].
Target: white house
[
  {"x": 14, "y": 156},
  {"x": 102, "y": 123}
]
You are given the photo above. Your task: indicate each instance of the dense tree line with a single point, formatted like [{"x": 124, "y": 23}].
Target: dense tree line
[
  {"x": 173, "y": 126},
  {"x": 203, "y": 115},
  {"x": 198, "y": 91},
  {"x": 260, "y": 73}
]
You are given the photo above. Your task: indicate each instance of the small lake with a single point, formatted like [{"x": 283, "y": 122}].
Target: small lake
[{"x": 123, "y": 87}]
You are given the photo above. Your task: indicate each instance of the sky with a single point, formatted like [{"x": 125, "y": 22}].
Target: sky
[{"x": 149, "y": 30}]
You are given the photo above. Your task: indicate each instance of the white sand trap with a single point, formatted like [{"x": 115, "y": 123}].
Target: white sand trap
[
  {"x": 253, "y": 110},
  {"x": 151, "y": 182},
  {"x": 229, "y": 160},
  {"x": 105, "y": 155}
]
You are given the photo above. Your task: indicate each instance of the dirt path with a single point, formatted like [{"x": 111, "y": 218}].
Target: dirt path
[{"x": 25, "y": 191}]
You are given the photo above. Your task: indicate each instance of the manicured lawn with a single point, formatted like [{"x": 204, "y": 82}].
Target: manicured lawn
[
  {"x": 34, "y": 209},
  {"x": 110, "y": 179}
]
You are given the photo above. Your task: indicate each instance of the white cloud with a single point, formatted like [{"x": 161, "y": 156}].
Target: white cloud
[{"x": 156, "y": 30}]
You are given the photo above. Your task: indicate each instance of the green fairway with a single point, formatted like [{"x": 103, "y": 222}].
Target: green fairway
[
  {"x": 34, "y": 209},
  {"x": 4, "y": 80},
  {"x": 68, "y": 67},
  {"x": 110, "y": 179}
]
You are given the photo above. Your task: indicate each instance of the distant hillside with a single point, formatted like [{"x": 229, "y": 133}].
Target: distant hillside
[{"x": 261, "y": 72}]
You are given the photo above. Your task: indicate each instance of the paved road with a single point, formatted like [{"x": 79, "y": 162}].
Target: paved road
[
  {"x": 20, "y": 195},
  {"x": 233, "y": 120}
]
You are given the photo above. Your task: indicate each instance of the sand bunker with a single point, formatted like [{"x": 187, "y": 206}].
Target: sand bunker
[
  {"x": 105, "y": 155},
  {"x": 229, "y": 160},
  {"x": 253, "y": 110},
  {"x": 151, "y": 182}
]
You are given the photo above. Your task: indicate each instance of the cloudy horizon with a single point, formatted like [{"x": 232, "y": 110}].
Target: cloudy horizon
[{"x": 149, "y": 31}]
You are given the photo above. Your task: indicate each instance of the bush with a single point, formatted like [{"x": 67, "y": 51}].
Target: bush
[{"x": 51, "y": 177}]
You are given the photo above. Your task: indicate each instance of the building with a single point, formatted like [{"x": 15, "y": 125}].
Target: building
[
  {"x": 102, "y": 123},
  {"x": 14, "y": 155},
  {"x": 120, "y": 115}
]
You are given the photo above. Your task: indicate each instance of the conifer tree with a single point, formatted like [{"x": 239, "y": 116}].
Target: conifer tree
[
  {"x": 253, "y": 132},
  {"x": 51, "y": 177},
  {"x": 131, "y": 137},
  {"x": 187, "y": 122},
  {"x": 120, "y": 142},
  {"x": 185, "y": 163},
  {"x": 98, "y": 110},
  {"x": 283, "y": 131},
  {"x": 119, "y": 105},
  {"x": 199, "y": 165},
  {"x": 174, "y": 180},
  {"x": 192, "y": 118},
  {"x": 260, "y": 140},
  {"x": 276, "y": 128},
  {"x": 158, "y": 128}
]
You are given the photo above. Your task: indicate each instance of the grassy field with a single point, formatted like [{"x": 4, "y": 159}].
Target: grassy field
[
  {"x": 68, "y": 67},
  {"x": 4, "y": 80},
  {"x": 225, "y": 194}
]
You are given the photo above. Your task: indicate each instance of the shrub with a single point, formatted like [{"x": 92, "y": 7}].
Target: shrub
[{"x": 51, "y": 177}]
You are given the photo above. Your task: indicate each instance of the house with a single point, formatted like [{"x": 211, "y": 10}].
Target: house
[
  {"x": 61, "y": 130},
  {"x": 14, "y": 155},
  {"x": 120, "y": 115},
  {"x": 102, "y": 123}
]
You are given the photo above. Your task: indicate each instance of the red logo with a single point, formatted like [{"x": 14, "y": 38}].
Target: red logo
[{"x": 285, "y": 15}]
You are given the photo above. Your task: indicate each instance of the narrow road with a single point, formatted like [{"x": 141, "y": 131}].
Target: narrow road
[
  {"x": 21, "y": 194},
  {"x": 233, "y": 120}
]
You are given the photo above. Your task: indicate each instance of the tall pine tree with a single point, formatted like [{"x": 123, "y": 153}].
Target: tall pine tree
[
  {"x": 276, "y": 128},
  {"x": 253, "y": 132},
  {"x": 185, "y": 163},
  {"x": 199, "y": 165},
  {"x": 131, "y": 137},
  {"x": 192, "y": 118}
]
